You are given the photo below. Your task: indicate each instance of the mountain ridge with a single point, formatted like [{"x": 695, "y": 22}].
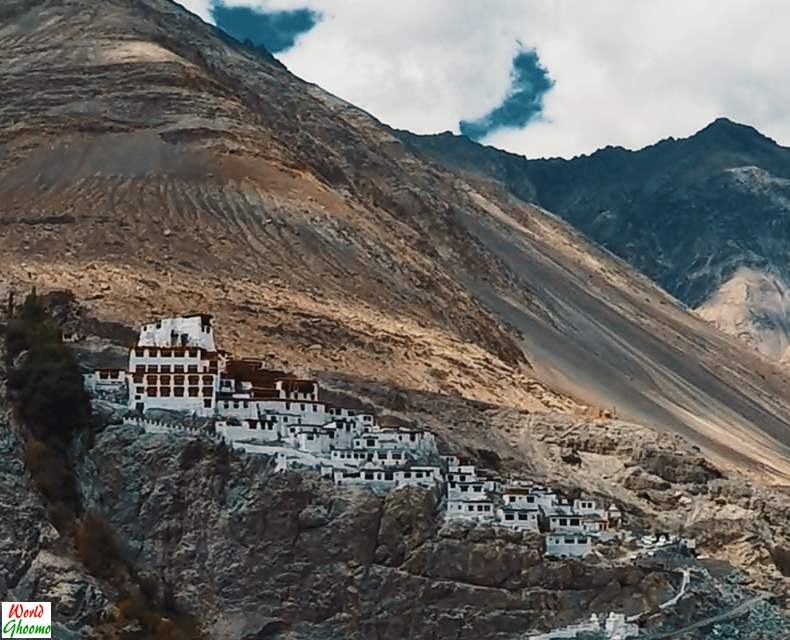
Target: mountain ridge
[{"x": 688, "y": 212}]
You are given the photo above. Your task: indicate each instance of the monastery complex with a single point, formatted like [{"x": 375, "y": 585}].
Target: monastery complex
[{"x": 176, "y": 368}]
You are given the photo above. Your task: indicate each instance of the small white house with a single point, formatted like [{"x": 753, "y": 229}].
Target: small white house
[
  {"x": 568, "y": 545},
  {"x": 407, "y": 439},
  {"x": 106, "y": 382},
  {"x": 457, "y": 476},
  {"x": 566, "y": 524},
  {"x": 367, "y": 475},
  {"x": 475, "y": 510},
  {"x": 492, "y": 485},
  {"x": 308, "y": 438},
  {"x": 249, "y": 430},
  {"x": 545, "y": 499},
  {"x": 240, "y": 408},
  {"x": 593, "y": 525},
  {"x": 519, "y": 499},
  {"x": 528, "y": 520},
  {"x": 344, "y": 431},
  {"x": 472, "y": 490},
  {"x": 468, "y": 469},
  {"x": 586, "y": 507},
  {"x": 350, "y": 457},
  {"x": 426, "y": 476}
]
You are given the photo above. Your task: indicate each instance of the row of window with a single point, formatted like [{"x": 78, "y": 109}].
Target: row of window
[
  {"x": 485, "y": 508},
  {"x": 166, "y": 368},
  {"x": 474, "y": 488},
  {"x": 372, "y": 475},
  {"x": 207, "y": 402},
  {"x": 570, "y": 540},
  {"x": 340, "y": 412},
  {"x": 177, "y": 380},
  {"x": 361, "y": 455},
  {"x": 389, "y": 475},
  {"x": 352, "y": 455},
  {"x": 142, "y": 352},
  {"x": 254, "y": 424},
  {"x": 245, "y": 403},
  {"x": 177, "y": 392},
  {"x": 519, "y": 516},
  {"x": 417, "y": 474},
  {"x": 573, "y": 522},
  {"x": 110, "y": 375}
]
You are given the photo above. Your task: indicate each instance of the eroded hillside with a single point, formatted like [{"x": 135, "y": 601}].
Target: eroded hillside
[
  {"x": 152, "y": 165},
  {"x": 694, "y": 214}
]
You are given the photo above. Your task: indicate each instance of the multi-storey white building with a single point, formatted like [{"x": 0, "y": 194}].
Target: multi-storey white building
[
  {"x": 184, "y": 379},
  {"x": 482, "y": 510},
  {"x": 187, "y": 331}
]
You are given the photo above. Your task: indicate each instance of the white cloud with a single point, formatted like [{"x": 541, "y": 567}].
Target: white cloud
[
  {"x": 627, "y": 73},
  {"x": 199, "y": 7}
]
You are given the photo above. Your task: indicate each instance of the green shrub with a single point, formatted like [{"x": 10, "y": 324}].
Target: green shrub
[
  {"x": 29, "y": 324},
  {"x": 48, "y": 392}
]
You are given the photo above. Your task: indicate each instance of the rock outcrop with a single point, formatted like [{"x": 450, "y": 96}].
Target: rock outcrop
[{"x": 249, "y": 550}]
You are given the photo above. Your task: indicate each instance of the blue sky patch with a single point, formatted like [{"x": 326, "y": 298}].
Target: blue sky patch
[
  {"x": 529, "y": 82},
  {"x": 275, "y": 30}
]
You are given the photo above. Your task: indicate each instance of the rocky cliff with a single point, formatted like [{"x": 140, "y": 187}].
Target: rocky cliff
[{"x": 260, "y": 553}]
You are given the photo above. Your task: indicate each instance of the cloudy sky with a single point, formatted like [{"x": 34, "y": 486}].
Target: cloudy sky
[{"x": 537, "y": 77}]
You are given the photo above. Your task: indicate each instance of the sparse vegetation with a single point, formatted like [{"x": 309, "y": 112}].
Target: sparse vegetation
[
  {"x": 47, "y": 385},
  {"x": 53, "y": 476},
  {"x": 157, "y": 625},
  {"x": 143, "y": 600},
  {"x": 47, "y": 393},
  {"x": 97, "y": 548}
]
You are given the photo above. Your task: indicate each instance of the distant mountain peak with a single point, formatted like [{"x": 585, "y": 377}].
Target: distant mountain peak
[
  {"x": 725, "y": 130},
  {"x": 723, "y": 122}
]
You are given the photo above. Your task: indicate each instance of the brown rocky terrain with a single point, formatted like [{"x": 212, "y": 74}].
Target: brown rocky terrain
[{"x": 152, "y": 165}]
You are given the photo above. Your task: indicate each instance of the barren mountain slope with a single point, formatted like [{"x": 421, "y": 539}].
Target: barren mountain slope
[
  {"x": 755, "y": 306},
  {"x": 154, "y": 165},
  {"x": 689, "y": 213}
]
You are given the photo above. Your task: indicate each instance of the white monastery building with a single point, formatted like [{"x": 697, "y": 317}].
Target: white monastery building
[{"x": 176, "y": 367}]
